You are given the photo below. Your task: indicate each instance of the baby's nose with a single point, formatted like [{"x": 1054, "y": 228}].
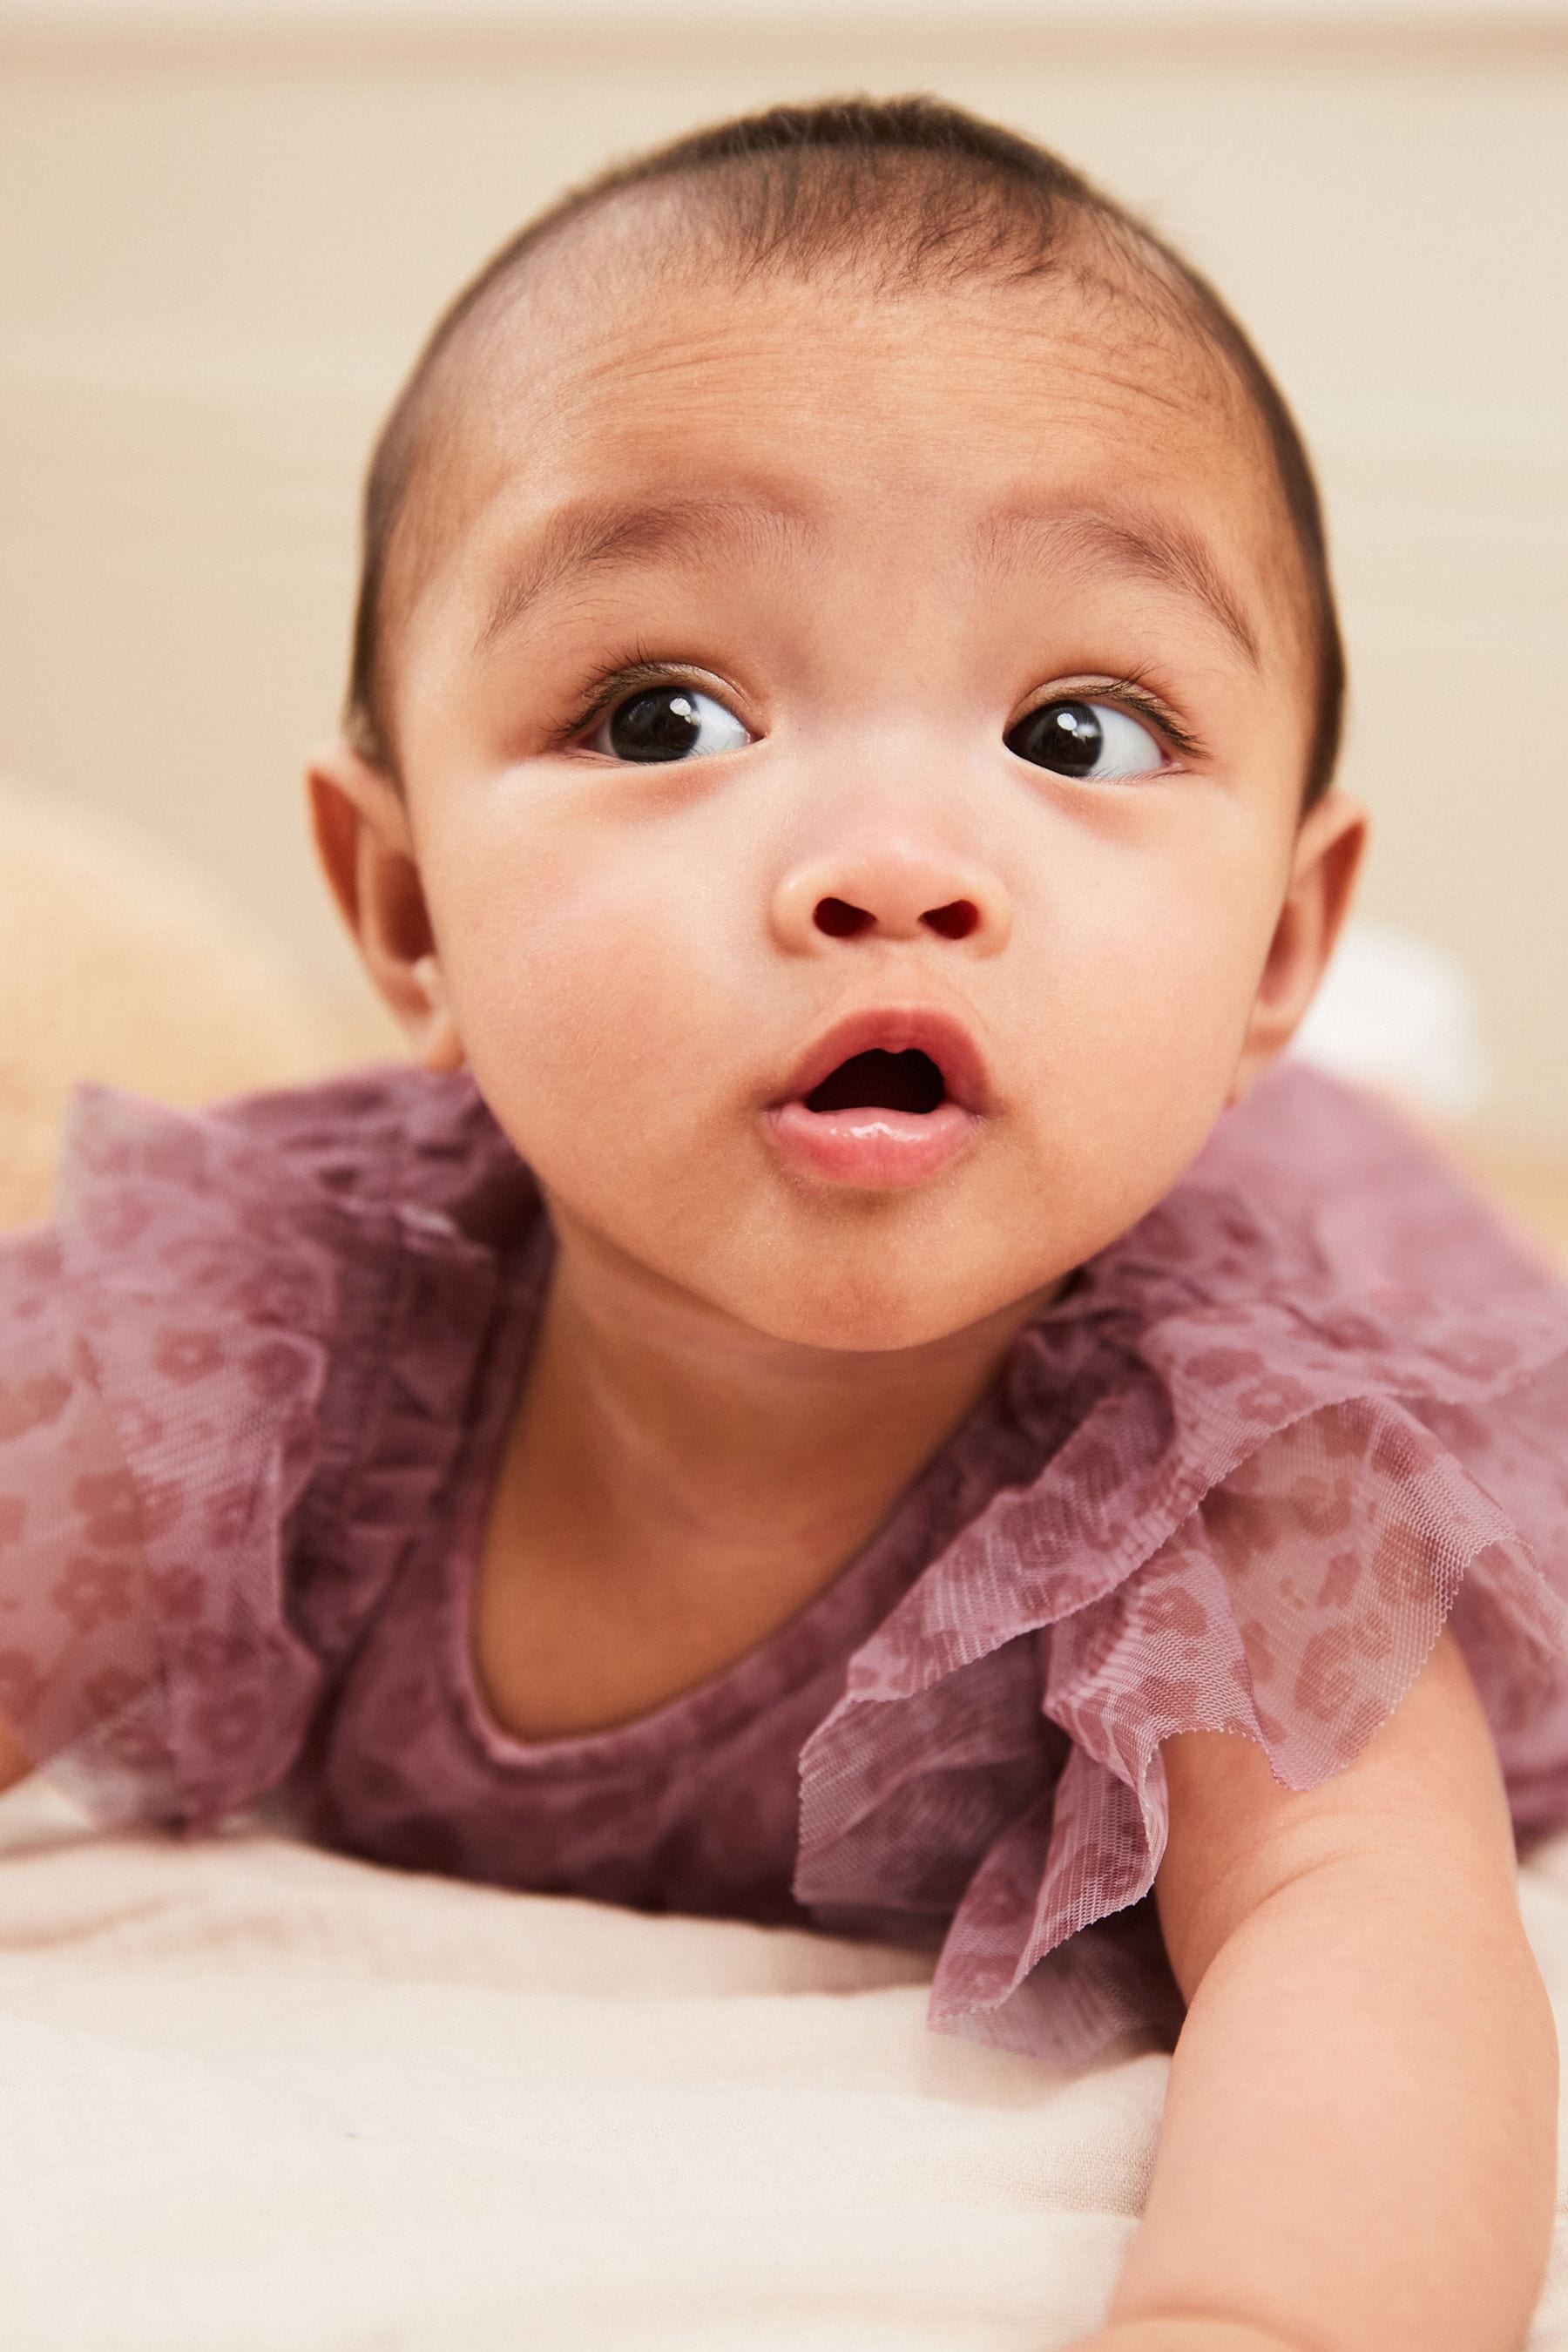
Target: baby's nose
[{"x": 893, "y": 889}]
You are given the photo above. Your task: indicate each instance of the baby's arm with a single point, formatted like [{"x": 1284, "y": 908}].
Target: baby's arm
[{"x": 1358, "y": 2153}]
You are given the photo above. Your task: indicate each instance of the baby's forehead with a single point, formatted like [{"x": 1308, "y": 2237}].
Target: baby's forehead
[
  {"x": 630, "y": 334},
  {"x": 642, "y": 286}
]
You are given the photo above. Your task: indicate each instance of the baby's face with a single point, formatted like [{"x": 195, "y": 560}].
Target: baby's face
[{"x": 852, "y": 749}]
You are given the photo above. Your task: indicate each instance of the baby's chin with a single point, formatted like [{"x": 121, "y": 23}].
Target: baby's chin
[
  {"x": 904, "y": 1324},
  {"x": 995, "y": 1240},
  {"x": 862, "y": 1276},
  {"x": 876, "y": 1299}
]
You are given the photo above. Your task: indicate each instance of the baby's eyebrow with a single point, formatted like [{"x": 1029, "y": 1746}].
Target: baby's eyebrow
[
  {"x": 594, "y": 534},
  {"x": 1152, "y": 546}
]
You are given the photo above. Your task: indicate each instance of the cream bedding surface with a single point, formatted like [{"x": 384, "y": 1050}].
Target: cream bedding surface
[{"x": 261, "y": 2098}]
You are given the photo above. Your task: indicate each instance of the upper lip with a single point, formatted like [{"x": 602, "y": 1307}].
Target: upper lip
[{"x": 896, "y": 1029}]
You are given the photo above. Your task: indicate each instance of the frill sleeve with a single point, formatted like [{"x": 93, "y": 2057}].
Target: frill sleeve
[
  {"x": 229, "y": 1387},
  {"x": 162, "y": 1352},
  {"x": 1310, "y": 1437}
]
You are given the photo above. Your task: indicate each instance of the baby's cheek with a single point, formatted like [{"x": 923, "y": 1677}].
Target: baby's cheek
[
  {"x": 1136, "y": 1066},
  {"x": 1181, "y": 1015},
  {"x": 582, "y": 1009}
]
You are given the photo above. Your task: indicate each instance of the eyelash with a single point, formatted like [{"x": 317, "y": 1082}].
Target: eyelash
[
  {"x": 609, "y": 687},
  {"x": 1131, "y": 693}
]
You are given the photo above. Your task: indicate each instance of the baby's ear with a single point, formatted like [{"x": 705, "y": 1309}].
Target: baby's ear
[
  {"x": 1323, "y": 867},
  {"x": 366, "y": 847}
]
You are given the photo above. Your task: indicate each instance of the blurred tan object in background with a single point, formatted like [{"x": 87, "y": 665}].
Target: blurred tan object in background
[{"x": 116, "y": 963}]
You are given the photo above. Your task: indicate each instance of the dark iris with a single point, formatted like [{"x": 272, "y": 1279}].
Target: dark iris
[
  {"x": 1063, "y": 736},
  {"x": 662, "y": 724}
]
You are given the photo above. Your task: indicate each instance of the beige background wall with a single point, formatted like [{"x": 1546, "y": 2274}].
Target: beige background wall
[{"x": 223, "y": 232}]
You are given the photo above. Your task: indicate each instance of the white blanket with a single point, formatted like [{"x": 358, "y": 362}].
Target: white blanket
[{"x": 258, "y": 2098}]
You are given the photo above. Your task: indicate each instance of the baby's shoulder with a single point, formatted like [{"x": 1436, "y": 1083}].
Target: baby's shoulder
[
  {"x": 235, "y": 1375},
  {"x": 288, "y": 1188},
  {"x": 1336, "y": 1191},
  {"x": 371, "y": 1138}
]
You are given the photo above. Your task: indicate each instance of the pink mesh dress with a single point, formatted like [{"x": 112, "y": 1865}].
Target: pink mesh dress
[{"x": 253, "y": 1389}]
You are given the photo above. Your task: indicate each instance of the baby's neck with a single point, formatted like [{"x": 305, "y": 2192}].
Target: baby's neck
[{"x": 690, "y": 1483}]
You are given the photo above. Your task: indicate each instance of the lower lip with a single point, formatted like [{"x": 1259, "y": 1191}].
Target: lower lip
[{"x": 880, "y": 1150}]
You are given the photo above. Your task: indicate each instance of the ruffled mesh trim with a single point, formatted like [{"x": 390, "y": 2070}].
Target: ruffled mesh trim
[
  {"x": 235, "y": 1380},
  {"x": 171, "y": 1345},
  {"x": 1287, "y": 1464},
  {"x": 1295, "y": 1607}
]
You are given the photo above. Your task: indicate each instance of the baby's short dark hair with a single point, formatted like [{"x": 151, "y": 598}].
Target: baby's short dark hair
[{"x": 902, "y": 192}]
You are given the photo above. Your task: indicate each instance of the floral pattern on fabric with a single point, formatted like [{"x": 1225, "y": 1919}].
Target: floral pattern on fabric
[
  {"x": 256, "y": 1382},
  {"x": 1296, "y": 1456}
]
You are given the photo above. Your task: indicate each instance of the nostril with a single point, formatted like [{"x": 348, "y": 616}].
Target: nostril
[
  {"x": 953, "y": 921},
  {"x": 839, "y": 918}
]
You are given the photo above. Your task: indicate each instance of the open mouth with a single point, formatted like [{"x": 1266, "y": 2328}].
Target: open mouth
[
  {"x": 885, "y": 1100},
  {"x": 878, "y": 1080}
]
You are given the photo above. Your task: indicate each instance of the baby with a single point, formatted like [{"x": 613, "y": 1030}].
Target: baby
[{"x": 843, "y": 1388}]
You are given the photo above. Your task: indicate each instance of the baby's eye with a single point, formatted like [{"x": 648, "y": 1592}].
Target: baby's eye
[
  {"x": 1093, "y": 741},
  {"x": 668, "y": 722}
]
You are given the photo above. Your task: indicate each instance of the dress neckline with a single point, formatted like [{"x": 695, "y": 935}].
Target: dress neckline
[{"x": 954, "y": 1480}]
